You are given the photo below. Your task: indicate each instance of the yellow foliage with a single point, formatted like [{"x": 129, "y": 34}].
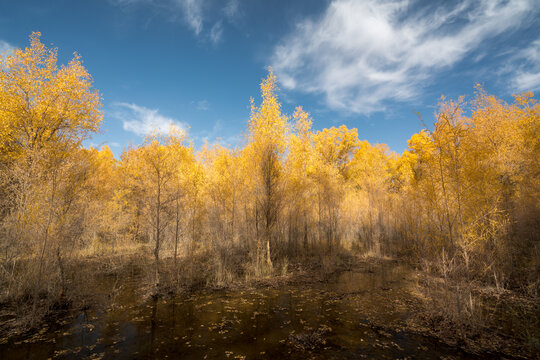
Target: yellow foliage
[{"x": 44, "y": 105}]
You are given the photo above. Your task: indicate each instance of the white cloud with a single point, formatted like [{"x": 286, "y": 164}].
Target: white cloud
[
  {"x": 142, "y": 120},
  {"x": 232, "y": 10},
  {"x": 129, "y": 2},
  {"x": 527, "y": 65},
  {"x": 361, "y": 53},
  {"x": 527, "y": 81},
  {"x": 193, "y": 14},
  {"x": 203, "y": 105},
  {"x": 216, "y": 32},
  {"x": 191, "y": 11},
  {"x": 6, "y": 47},
  {"x": 215, "y": 136}
]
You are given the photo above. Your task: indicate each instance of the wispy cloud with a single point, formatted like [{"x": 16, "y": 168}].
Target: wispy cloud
[
  {"x": 216, "y": 32},
  {"x": 360, "y": 54},
  {"x": 190, "y": 11},
  {"x": 5, "y": 47},
  {"x": 214, "y": 136},
  {"x": 142, "y": 120},
  {"x": 526, "y": 65},
  {"x": 232, "y": 10},
  {"x": 193, "y": 14},
  {"x": 201, "y": 105},
  {"x": 130, "y": 2},
  {"x": 196, "y": 14}
]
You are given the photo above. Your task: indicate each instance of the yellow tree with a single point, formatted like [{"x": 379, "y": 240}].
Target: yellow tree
[
  {"x": 334, "y": 149},
  {"x": 468, "y": 178},
  {"x": 183, "y": 162},
  {"x": 428, "y": 222},
  {"x": 104, "y": 203},
  {"x": 501, "y": 208},
  {"x": 223, "y": 171},
  {"x": 193, "y": 185},
  {"x": 42, "y": 104},
  {"x": 46, "y": 112},
  {"x": 369, "y": 182},
  {"x": 299, "y": 184},
  {"x": 152, "y": 172},
  {"x": 267, "y": 140}
]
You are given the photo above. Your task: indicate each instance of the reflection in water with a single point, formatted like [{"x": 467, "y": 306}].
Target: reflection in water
[
  {"x": 153, "y": 323},
  {"x": 324, "y": 320}
]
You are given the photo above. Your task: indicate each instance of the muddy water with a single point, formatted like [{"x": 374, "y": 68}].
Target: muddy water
[{"x": 326, "y": 320}]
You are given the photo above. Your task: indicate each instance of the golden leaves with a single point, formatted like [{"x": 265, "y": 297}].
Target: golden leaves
[{"x": 42, "y": 105}]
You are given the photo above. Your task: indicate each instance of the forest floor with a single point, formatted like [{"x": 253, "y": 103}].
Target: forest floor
[
  {"x": 502, "y": 322},
  {"x": 394, "y": 297}
]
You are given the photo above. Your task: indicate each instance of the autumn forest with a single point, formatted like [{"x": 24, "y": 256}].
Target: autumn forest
[{"x": 289, "y": 206}]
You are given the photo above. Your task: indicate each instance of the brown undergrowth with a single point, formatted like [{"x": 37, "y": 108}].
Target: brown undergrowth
[{"x": 476, "y": 318}]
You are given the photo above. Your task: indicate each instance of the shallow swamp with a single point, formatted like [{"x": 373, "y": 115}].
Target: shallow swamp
[{"x": 370, "y": 310}]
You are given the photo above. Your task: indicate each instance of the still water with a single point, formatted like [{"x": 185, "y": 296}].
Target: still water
[{"x": 325, "y": 320}]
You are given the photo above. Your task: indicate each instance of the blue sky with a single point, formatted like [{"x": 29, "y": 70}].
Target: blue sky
[{"x": 366, "y": 64}]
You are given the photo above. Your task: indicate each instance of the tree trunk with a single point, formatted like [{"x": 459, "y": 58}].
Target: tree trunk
[
  {"x": 45, "y": 240},
  {"x": 158, "y": 231},
  {"x": 268, "y": 258},
  {"x": 176, "y": 237}
]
